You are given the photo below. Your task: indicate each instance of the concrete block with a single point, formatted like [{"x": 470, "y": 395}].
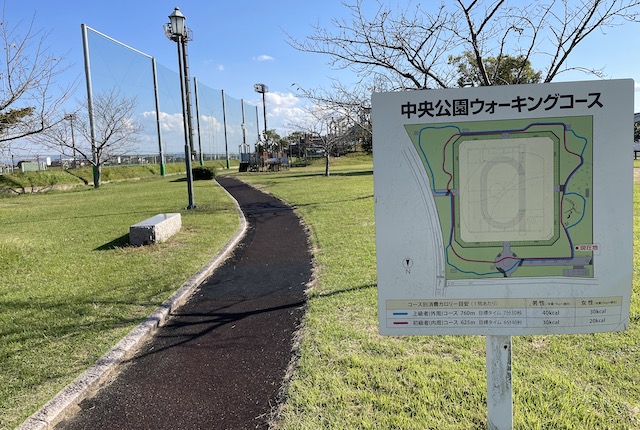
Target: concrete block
[{"x": 156, "y": 229}]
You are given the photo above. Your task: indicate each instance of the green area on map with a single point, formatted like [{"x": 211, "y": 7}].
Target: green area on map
[{"x": 514, "y": 197}]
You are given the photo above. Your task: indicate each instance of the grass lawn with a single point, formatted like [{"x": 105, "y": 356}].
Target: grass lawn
[
  {"x": 70, "y": 287},
  {"x": 69, "y": 291},
  {"x": 350, "y": 377}
]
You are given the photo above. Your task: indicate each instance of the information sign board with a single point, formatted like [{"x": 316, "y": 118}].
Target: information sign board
[{"x": 504, "y": 210}]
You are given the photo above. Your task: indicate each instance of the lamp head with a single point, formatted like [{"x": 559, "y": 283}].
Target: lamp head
[{"x": 176, "y": 21}]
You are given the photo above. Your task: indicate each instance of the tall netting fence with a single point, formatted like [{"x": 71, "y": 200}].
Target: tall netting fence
[
  {"x": 223, "y": 126},
  {"x": 127, "y": 73}
]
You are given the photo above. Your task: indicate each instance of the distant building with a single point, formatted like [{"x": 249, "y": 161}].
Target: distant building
[{"x": 31, "y": 166}]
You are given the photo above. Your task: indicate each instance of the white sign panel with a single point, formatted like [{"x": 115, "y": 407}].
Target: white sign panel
[{"x": 504, "y": 210}]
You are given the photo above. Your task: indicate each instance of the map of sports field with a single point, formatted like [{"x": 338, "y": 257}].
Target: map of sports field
[{"x": 514, "y": 198}]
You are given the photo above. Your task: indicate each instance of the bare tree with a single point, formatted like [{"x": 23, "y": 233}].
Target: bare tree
[
  {"x": 410, "y": 47},
  {"x": 351, "y": 105},
  {"x": 116, "y": 131},
  {"x": 322, "y": 124},
  {"x": 61, "y": 136},
  {"x": 30, "y": 99}
]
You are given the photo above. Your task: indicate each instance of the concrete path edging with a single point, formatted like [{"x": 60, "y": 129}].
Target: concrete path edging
[{"x": 84, "y": 385}]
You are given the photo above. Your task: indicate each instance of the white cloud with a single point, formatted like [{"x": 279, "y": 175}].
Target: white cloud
[
  {"x": 285, "y": 112},
  {"x": 221, "y": 67},
  {"x": 168, "y": 122},
  {"x": 264, "y": 57},
  {"x": 211, "y": 123},
  {"x": 282, "y": 100}
]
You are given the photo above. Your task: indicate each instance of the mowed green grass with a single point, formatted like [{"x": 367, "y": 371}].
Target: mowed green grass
[
  {"x": 349, "y": 377},
  {"x": 71, "y": 288}
]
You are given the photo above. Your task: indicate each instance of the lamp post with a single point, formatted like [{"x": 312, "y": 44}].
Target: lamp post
[
  {"x": 176, "y": 30},
  {"x": 262, "y": 89}
]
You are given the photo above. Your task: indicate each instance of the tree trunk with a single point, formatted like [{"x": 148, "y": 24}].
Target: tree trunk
[
  {"x": 326, "y": 165},
  {"x": 97, "y": 172}
]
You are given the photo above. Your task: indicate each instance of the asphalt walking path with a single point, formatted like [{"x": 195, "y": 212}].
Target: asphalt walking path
[{"x": 220, "y": 360}]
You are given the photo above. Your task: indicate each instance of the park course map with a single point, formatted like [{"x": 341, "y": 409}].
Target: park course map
[{"x": 513, "y": 197}]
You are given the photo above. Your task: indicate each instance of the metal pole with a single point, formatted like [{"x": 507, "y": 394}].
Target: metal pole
[
  {"x": 266, "y": 140},
  {"x": 185, "y": 65},
  {"x": 264, "y": 109},
  {"x": 224, "y": 121},
  {"x": 499, "y": 390},
  {"x": 70, "y": 117},
  {"x": 185, "y": 120},
  {"x": 163, "y": 168},
  {"x": 257, "y": 129},
  {"x": 244, "y": 130},
  {"x": 92, "y": 128},
  {"x": 195, "y": 90},
  {"x": 73, "y": 142}
]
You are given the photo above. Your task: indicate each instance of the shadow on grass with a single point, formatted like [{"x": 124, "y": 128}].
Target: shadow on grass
[
  {"x": 11, "y": 186},
  {"x": 65, "y": 218},
  {"x": 344, "y": 291},
  {"x": 358, "y": 173},
  {"x": 370, "y": 196},
  {"x": 121, "y": 242},
  {"x": 64, "y": 317},
  {"x": 86, "y": 181},
  {"x": 194, "y": 180},
  {"x": 321, "y": 174}
]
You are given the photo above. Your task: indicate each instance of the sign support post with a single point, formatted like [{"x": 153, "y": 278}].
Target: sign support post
[{"x": 499, "y": 392}]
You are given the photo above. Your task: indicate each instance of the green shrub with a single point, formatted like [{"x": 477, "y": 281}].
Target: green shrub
[{"x": 202, "y": 173}]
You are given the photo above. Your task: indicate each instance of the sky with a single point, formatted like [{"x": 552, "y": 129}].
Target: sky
[{"x": 242, "y": 42}]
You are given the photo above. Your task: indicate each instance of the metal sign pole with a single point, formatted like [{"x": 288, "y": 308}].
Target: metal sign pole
[{"x": 499, "y": 392}]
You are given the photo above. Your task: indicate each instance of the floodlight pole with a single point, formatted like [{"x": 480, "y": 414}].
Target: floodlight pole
[
  {"x": 177, "y": 31},
  {"x": 262, "y": 89}
]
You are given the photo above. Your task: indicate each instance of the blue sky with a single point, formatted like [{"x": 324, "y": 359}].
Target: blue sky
[
  {"x": 241, "y": 42},
  {"x": 235, "y": 43}
]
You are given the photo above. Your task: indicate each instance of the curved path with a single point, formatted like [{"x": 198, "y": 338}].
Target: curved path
[{"x": 220, "y": 360}]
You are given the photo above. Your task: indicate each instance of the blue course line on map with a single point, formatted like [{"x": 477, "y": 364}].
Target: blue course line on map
[
  {"x": 581, "y": 157},
  {"x": 444, "y": 193},
  {"x": 584, "y": 200},
  {"x": 426, "y": 159}
]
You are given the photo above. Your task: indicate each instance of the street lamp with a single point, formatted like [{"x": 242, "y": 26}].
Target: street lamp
[
  {"x": 262, "y": 89},
  {"x": 177, "y": 31}
]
